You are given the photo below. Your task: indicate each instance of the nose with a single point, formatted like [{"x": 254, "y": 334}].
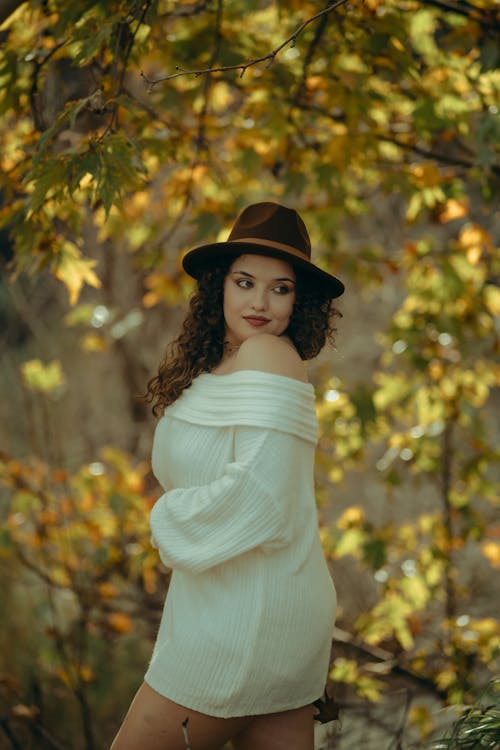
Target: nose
[{"x": 259, "y": 300}]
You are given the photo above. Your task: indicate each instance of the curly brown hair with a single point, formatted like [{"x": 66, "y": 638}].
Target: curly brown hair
[{"x": 200, "y": 344}]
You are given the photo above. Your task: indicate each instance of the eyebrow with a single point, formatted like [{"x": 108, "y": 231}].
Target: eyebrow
[{"x": 284, "y": 278}]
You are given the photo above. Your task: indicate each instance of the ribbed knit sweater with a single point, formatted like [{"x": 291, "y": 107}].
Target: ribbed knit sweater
[{"x": 248, "y": 619}]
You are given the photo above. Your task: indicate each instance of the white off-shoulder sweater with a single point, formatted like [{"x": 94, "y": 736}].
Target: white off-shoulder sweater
[{"x": 248, "y": 619}]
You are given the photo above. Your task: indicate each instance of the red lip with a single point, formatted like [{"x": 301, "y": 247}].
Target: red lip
[{"x": 256, "y": 320}]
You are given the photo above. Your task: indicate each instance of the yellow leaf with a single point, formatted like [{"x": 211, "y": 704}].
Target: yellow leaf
[
  {"x": 473, "y": 239},
  {"x": 120, "y": 622},
  {"x": 92, "y": 342},
  {"x": 61, "y": 577},
  {"x": 344, "y": 670},
  {"x": 48, "y": 517},
  {"x": 163, "y": 288},
  {"x": 397, "y": 440},
  {"x": 350, "y": 517},
  {"x": 415, "y": 590},
  {"x": 75, "y": 271},
  {"x": 86, "y": 673},
  {"x": 350, "y": 543},
  {"x": 448, "y": 388},
  {"x": 262, "y": 147},
  {"x": 149, "y": 578},
  {"x": 370, "y": 688},
  {"x": 80, "y": 315},
  {"x": 137, "y": 235},
  {"x": 426, "y": 175},
  {"x": 352, "y": 63},
  {"x": 421, "y": 717},
  {"x": 313, "y": 83},
  {"x": 198, "y": 172},
  {"x": 492, "y": 299},
  {"x": 335, "y": 474},
  {"x": 221, "y": 96},
  {"x": 64, "y": 676},
  {"x": 453, "y": 209},
  {"x": 43, "y": 378},
  {"x": 25, "y": 712},
  {"x": 107, "y": 590},
  {"x": 388, "y": 618},
  {"x": 140, "y": 199},
  {"x": 486, "y": 626},
  {"x": 491, "y": 550}
]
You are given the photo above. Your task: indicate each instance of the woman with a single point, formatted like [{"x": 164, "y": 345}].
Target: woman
[{"x": 243, "y": 646}]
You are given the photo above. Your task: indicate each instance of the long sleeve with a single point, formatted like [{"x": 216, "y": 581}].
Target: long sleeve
[{"x": 196, "y": 528}]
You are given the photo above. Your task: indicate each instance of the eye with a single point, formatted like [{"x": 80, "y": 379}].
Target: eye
[
  {"x": 244, "y": 283},
  {"x": 282, "y": 289}
]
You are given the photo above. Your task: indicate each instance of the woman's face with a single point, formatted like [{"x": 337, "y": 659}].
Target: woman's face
[{"x": 259, "y": 294}]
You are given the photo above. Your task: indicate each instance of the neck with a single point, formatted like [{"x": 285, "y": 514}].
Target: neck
[{"x": 230, "y": 348}]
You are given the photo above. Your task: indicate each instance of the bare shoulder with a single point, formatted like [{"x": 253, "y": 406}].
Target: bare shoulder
[{"x": 273, "y": 354}]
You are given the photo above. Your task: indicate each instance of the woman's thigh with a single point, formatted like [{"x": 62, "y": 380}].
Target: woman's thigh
[
  {"x": 155, "y": 723},
  {"x": 286, "y": 730}
]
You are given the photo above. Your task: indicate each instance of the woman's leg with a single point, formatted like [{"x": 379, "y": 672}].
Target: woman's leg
[
  {"x": 286, "y": 730},
  {"x": 155, "y": 723}
]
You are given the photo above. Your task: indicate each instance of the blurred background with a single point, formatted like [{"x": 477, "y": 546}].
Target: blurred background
[{"x": 129, "y": 132}]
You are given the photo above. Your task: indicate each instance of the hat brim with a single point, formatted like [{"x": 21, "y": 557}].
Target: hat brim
[{"x": 196, "y": 261}]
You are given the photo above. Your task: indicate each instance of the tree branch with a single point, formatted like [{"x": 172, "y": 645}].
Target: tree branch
[
  {"x": 447, "y": 454},
  {"x": 388, "y": 661},
  {"x": 242, "y": 67},
  {"x": 5, "y": 727},
  {"x": 200, "y": 140},
  {"x": 152, "y": 113},
  {"x": 414, "y": 148},
  {"x": 126, "y": 57},
  {"x": 51, "y": 742},
  {"x": 320, "y": 30},
  {"x": 489, "y": 20},
  {"x": 441, "y": 158},
  {"x": 33, "y": 93},
  {"x": 187, "y": 10},
  {"x": 200, "y": 136}
]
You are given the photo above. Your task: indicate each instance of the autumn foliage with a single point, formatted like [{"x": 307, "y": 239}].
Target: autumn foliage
[{"x": 132, "y": 130}]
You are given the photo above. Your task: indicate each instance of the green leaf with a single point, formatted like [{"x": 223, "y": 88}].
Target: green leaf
[
  {"x": 375, "y": 553},
  {"x": 489, "y": 55},
  {"x": 48, "y": 179},
  {"x": 422, "y": 27}
]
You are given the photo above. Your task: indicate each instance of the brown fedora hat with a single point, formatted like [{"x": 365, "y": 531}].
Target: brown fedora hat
[{"x": 265, "y": 229}]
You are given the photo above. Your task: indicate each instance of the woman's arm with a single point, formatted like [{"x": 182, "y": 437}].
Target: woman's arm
[{"x": 197, "y": 528}]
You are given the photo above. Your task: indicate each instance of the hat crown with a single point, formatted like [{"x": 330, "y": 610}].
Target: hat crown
[{"x": 274, "y": 223}]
